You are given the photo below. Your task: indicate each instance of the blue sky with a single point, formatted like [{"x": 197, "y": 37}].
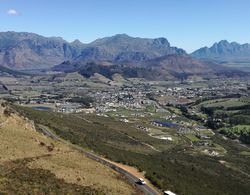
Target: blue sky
[{"x": 189, "y": 24}]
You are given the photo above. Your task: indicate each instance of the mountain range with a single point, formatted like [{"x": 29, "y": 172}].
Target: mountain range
[
  {"x": 224, "y": 51},
  {"x": 31, "y": 51},
  {"x": 129, "y": 56}
]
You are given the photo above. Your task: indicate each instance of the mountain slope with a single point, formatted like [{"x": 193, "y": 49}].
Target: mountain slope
[
  {"x": 224, "y": 51},
  {"x": 50, "y": 167},
  {"x": 122, "y": 47},
  {"x": 31, "y": 51},
  {"x": 130, "y": 56},
  {"x": 4, "y": 70}
]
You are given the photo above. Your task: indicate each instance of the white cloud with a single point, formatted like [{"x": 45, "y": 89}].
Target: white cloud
[{"x": 12, "y": 12}]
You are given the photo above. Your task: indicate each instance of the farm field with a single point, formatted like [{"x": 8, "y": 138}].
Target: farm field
[{"x": 230, "y": 116}]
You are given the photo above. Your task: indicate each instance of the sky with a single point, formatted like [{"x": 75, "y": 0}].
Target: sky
[{"x": 188, "y": 24}]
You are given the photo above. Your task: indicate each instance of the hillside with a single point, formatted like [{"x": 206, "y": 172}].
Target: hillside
[
  {"x": 5, "y": 70},
  {"x": 184, "y": 66},
  {"x": 173, "y": 165},
  {"x": 170, "y": 67},
  {"x": 50, "y": 167},
  {"x": 31, "y": 51}
]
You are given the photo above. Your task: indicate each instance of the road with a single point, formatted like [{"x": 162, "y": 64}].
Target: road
[{"x": 147, "y": 190}]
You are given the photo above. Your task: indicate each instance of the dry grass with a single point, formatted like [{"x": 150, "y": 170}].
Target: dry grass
[
  {"x": 20, "y": 140},
  {"x": 84, "y": 172}
]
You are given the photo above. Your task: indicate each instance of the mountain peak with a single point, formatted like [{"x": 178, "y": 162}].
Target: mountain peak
[
  {"x": 161, "y": 41},
  {"x": 122, "y": 35},
  {"x": 77, "y": 42},
  {"x": 223, "y": 42}
]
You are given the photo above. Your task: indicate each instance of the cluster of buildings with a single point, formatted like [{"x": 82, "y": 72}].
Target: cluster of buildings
[
  {"x": 185, "y": 95},
  {"x": 128, "y": 98}
]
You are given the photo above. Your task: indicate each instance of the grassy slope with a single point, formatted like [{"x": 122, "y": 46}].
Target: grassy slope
[
  {"x": 177, "y": 169},
  {"x": 31, "y": 162}
]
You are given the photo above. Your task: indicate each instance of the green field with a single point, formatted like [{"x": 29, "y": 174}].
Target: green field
[
  {"x": 233, "y": 115},
  {"x": 225, "y": 103}
]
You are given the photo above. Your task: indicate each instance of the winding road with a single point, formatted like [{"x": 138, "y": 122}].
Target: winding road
[{"x": 146, "y": 189}]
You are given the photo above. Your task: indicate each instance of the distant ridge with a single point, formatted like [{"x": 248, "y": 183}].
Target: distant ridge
[{"x": 224, "y": 51}]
